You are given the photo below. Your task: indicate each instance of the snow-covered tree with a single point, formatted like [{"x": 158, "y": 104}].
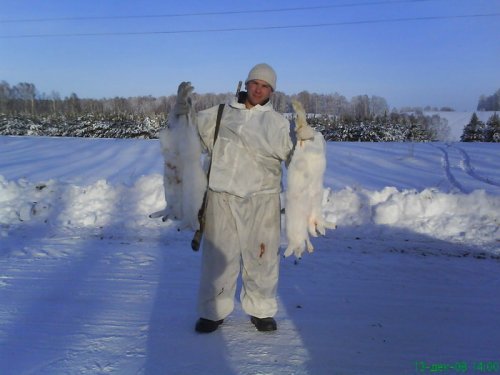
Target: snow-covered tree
[
  {"x": 378, "y": 105},
  {"x": 441, "y": 127},
  {"x": 26, "y": 93},
  {"x": 492, "y": 130},
  {"x": 361, "y": 107},
  {"x": 280, "y": 101},
  {"x": 4, "y": 96},
  {"x": 473, "y": 131},
  {"x": 305, "y": 98}
]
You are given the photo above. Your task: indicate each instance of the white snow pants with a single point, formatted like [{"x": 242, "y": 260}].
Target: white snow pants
[{"x": 241, "y": 234}]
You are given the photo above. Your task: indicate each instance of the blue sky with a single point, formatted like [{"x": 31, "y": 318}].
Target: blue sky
[{"x": 416, "y": 61}]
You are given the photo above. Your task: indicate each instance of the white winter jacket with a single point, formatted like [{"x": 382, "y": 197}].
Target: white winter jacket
[{"x": 249, "y": 150}]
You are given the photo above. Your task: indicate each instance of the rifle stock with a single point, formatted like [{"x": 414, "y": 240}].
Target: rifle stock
[{"x": 196, "y": 241}]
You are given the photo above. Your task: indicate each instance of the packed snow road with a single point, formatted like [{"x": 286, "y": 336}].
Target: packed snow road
[{"x": 100, "y": 304}]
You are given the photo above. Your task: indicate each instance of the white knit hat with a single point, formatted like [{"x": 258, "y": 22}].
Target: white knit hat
[{"x": 263, "y": 72}]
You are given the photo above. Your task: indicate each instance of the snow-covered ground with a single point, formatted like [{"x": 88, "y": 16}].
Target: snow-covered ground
[{"x": 407, "y": 284}]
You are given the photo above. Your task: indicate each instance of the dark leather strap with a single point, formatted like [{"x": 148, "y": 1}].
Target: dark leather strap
[
  {"x": 196, "y": 241},
  {"x": 217, "y": 124}
]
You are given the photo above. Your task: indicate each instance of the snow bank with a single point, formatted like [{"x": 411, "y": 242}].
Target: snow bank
[
  {"x": 454, "y": 217},
  {"x": 466, "y": 218},
  {"x": 97, "y": 205}
]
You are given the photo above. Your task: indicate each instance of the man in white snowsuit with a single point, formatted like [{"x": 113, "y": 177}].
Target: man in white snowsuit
[{"x": 242, "y": 230}]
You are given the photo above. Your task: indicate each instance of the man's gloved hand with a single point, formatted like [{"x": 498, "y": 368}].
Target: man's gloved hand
[
  {"x": 183, "y": 103},
  {"x": 305, "y": 132}
]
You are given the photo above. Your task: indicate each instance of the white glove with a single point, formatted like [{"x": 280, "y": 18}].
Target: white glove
[
  {"x": 183, "y": 103},
  {"x": 305, "y": 132}
]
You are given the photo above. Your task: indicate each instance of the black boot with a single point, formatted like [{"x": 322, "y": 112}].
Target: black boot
[
  {"x": 264, "y": 324},
  {"x": 206, "y": 325}
]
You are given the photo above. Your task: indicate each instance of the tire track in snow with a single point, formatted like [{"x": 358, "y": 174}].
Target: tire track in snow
[
  {"x": 467, "y": 167},
  {"x": 447, "y": 170}
]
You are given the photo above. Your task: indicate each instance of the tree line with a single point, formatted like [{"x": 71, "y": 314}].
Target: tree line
[
  {"x": 489, "y": 103},
  {"x": 24, "y": 98},
  {"x": 392, "y": 127},
  {"x": 24, "y": 111}
]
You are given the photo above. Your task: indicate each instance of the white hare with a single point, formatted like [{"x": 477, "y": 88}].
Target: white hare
[
  {"x": 304, "y": 195},
  {"x": 184, "y": 180}
]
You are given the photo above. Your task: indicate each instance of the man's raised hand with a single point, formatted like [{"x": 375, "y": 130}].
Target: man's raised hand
[{"x": 183, "y": 102}]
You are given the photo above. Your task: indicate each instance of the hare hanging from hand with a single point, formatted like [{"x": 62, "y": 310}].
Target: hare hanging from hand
[
  {"x": 304, "y": 195},
  {"x": 184, "y": 179}
]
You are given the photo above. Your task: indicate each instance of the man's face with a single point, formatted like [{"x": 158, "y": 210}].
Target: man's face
[{"x": 258, "y": 92}]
